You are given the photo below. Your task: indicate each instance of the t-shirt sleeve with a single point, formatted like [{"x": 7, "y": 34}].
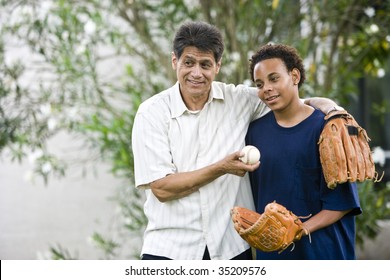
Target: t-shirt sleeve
[{"x": 342, "y": 197}]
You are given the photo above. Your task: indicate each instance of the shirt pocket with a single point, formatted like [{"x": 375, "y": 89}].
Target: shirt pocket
[{"x": 307, "y": 183}]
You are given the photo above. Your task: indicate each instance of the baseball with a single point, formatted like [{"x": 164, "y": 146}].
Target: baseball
[{"x": 251, "y": 155}]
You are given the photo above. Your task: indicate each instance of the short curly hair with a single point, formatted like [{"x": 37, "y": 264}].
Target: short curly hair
[{"x": 289, "y": 55}]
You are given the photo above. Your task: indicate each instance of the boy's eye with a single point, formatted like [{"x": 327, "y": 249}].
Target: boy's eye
[{"x": 259, "y": 86}]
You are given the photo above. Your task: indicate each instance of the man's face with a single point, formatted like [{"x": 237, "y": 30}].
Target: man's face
[
  {"x": 195, "y": 71},
  {"x": 277, "y": 87}
]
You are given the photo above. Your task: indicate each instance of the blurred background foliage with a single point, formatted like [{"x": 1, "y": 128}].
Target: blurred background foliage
[{"x": 83, "y": 67}]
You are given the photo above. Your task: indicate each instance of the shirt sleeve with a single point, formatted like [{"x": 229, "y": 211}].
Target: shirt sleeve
[
  {"x": 342, "y": 197},
  {"x": 150, "y": 145},
  {"x": 260, "y": 108}
]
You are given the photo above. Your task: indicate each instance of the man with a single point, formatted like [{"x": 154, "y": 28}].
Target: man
[
  {"x": 186, "y": 144},
  {"x": 290, "y": 172}
]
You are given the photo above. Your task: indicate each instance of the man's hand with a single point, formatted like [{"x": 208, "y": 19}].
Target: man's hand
[
  {"x": 326, "y": 105},
  {"x": 233, "y": 165}
]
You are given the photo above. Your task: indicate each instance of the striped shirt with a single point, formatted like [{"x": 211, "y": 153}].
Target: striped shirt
[{"x": 168, "y": 138}]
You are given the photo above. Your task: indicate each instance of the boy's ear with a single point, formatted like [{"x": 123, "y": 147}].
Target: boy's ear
[{"x": 296, "y": 76}]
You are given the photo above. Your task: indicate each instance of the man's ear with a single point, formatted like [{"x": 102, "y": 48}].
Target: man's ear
[
  {"x": 296, "y": 76},
  {"x": 174, "y": 61},
  {"x": 218, "y": 66}
]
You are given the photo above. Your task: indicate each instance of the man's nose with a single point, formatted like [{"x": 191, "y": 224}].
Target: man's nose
[{"x": 196, "y": 70}]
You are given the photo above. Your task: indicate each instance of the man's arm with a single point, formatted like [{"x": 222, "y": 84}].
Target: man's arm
[
  {"x": 178, "y": 185},
  {"x": 326, "y": 105}
]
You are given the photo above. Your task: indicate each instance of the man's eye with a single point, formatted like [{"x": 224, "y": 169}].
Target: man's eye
[{"x": 259, "y": 86}]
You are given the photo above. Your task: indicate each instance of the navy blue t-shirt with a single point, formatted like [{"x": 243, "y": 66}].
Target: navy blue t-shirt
[{"x": 290, "y": 173}]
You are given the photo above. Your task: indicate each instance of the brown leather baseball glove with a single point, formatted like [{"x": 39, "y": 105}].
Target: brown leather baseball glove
[
  {"x": 274, "y": 230},
  {"x": 344, "y": 151}
]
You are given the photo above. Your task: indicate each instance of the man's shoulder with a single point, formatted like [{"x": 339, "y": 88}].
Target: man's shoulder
[
  {"x": 157, "y": 100},
  {"x": 233, "y": 87},
  {"x": 240, "y": 93}
]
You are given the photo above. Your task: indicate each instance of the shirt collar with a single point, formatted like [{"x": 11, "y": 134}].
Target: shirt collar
[{"x": 177, "y": 104}]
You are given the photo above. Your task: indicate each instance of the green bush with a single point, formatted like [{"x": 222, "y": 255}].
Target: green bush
[{"x": 374, "y": 199}]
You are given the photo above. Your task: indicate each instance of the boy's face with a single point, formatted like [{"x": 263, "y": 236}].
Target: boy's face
[
  {"x": 277, "y": 87},
  {"x": 195, "y": 71}
]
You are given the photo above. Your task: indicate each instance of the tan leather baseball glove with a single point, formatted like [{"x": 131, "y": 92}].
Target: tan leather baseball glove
[
  {"x": 344, "y": 151},
  {"x": 274, "y": 230}
]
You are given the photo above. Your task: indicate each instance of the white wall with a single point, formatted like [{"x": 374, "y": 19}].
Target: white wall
[{"x": 34, "y": 217}]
